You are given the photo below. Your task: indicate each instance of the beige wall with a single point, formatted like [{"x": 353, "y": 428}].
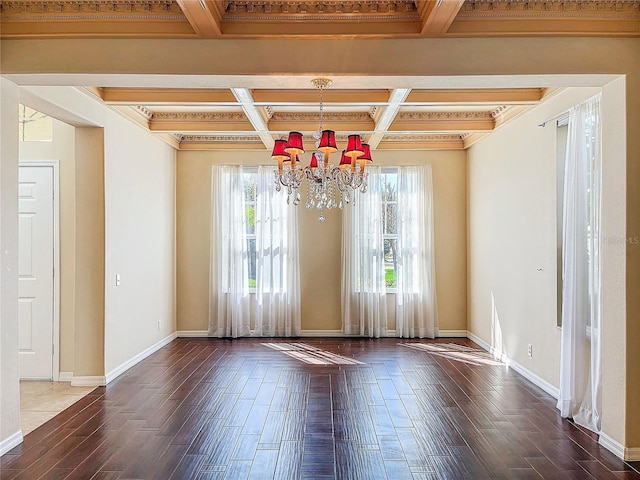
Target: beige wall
[
  {"x": 90, "y": 233},
  {"x": 512, "y": 238},
  {"x": 9, "y": 365},
  {"x": 320, "y": 242},
  {"x": 140, "y": 240},
  {"x": 62, "y": 149}
]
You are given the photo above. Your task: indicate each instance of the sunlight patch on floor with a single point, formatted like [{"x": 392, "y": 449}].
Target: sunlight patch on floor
[
  {"x": 452, "y": 351},
  {"x": 311, "y": 355}
]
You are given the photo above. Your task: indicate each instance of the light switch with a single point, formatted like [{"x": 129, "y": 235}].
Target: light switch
[{"x": 117, "y": 279}]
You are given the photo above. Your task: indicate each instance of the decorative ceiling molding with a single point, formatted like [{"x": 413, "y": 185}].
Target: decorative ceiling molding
[
  {"x": 200, "y": 116},
  {"x": 93, "y": 18},
  {"x": 221, "y": 142},
  {"x": 199, "y": 122},
  {"x": 421, "y": 142},
  {"x": 547, "y": 17},
  {"x": 443, "y": 122},
  {"x": 220, "y": 138},
  {"x": 320, "y": 10},
  {"x": 90, "y": 9},
  {"x": 315, "y": 18},
  {"x": 549, "y": 8},
  {"x": 148, "y": 114},
  {"x": 421, "y": 116}
]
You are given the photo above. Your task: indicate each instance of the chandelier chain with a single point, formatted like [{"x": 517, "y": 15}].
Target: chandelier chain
[{"x": 321, "y": 106}]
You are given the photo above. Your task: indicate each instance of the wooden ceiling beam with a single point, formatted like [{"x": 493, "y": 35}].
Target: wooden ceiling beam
[
  {"x": 205, "y": 16},
  {"x": 443, "y": 122},
  {"x": 497, "y": 96},
  {"x": 437, "y": 16},
  {"x": 167, "y": 96},
  {"x": 350, "y": 122},
  {"x": 291, "y": 97}
]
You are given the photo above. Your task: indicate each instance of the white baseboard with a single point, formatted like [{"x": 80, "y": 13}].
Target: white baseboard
[
  {"x": 322, "y": 333},
  {"x": 303, "y": 333},
  {"x": 65, "y": 377},
  {"x": 10, "y": 442},
  {"x": 619, "y": 450},
  {"x": 192, "y": 333},
  {"x": 526, "y": 373},
  {"x": 119, "y": 370},
  {"x": 88, "y": 381},
  {"x": 452, "y": 333}
]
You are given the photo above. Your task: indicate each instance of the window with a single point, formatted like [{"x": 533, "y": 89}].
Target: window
[
  {"x": 250, "y": 180},
  {"x": 34, "y": 126},
  {"x": 390, "y": 226}
]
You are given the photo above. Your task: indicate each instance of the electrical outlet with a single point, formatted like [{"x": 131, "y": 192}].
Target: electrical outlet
[
  {"x": 117, "y": 279},
  {"x": 158, "y": 324},
  {"x": 530, "y": 350}
]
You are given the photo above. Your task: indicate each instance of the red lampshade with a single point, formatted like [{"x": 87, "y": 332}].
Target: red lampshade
[
  {"x": 328, "y": 142},
  {"x": 278, "y": 151},
  {"x": 314, "y": 161},
  {"x": 345, "y": 162},
  {"x": 366, "y": 156},
  {"x": 294, "y": 144},
  {"x": 354, "y": 146}
]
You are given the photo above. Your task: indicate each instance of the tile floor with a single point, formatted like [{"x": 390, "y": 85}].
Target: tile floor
[{"x": 41, "y": 401}]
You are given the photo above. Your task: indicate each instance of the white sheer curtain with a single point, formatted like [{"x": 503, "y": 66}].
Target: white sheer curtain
[
  {"x": 277, "y": 311},
  {"x": 364, "y": 301},
  {"x": 229, "y": 277},
  {"x": 580, "y": 366},
  {"x": 416, "y": 312}
]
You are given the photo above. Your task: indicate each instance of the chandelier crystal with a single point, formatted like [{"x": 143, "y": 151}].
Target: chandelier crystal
[{"x": 330, "y": 186}]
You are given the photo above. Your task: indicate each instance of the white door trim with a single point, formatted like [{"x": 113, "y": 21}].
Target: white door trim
[{"x": 55, "y": 165}]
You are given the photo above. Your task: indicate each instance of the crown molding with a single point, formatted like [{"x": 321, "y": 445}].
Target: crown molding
[
  {"x": 443, "y": 122},
  {"x": 421, "y": 142},
  {"x": 550, "y": 8},
  {"x": 15, "y": 10},
  {"x": 221, "y": 142},
  {"x": 479, "y": 18},
  {"x": 93, "y": 18},
  {"x": 199, "y": 122},
  {"x": 320, "y": 10}
]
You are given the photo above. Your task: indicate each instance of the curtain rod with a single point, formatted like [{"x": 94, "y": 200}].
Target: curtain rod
[{"x": 560, "y": 117}]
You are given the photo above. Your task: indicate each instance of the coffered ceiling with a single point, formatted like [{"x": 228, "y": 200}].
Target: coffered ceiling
[
  {"x": 242, "y": 118},
  {"x": 252, "y": 116}
]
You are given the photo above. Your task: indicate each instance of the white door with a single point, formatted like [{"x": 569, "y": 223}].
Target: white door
[{"x": 35, "y": 270}]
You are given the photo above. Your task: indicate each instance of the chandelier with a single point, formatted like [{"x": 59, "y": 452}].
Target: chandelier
[{"x": 330, "y": 186}]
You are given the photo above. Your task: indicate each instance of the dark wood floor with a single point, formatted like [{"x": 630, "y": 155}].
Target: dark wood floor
[{"x": 214, "y": 409}]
